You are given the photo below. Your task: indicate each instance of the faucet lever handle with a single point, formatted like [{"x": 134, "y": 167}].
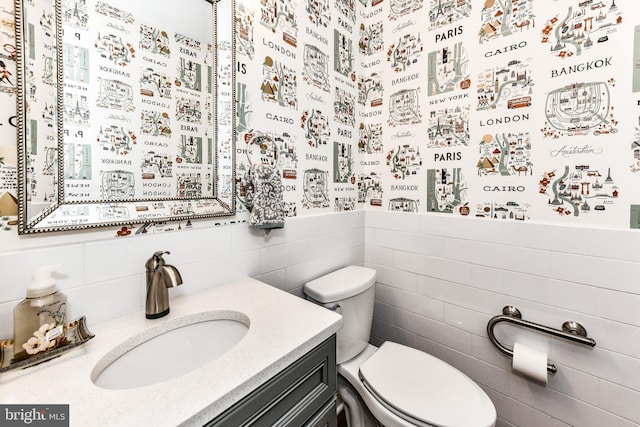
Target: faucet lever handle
[{"x": 156, "y": 260}]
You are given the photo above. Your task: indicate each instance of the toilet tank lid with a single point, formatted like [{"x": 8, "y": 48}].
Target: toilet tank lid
[{"x": 341, "y": 284}]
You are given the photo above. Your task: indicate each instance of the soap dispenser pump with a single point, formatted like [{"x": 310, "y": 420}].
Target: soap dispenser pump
[{"x": 38, "y": 321}]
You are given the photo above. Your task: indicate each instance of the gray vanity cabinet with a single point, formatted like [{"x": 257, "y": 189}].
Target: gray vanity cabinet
[{"x": 303, "y": 394}]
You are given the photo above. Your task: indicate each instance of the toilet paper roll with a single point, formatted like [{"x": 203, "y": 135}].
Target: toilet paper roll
[{"x": 531, "y": 363}]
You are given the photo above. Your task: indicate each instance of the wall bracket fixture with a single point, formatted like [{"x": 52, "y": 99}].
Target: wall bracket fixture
[{"x": 572, "y": 331}]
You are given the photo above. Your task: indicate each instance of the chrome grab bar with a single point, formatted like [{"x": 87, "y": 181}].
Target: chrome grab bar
[{"x": 572, "y": 331}]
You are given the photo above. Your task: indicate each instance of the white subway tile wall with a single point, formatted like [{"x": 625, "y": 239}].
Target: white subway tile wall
[
  {"x": 441, "y": 278},
  {"x": 104, "y": 279},
  {"x": 437, "y": 286}
]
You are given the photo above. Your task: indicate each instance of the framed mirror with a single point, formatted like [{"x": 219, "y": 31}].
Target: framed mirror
[{"x": 125, "y": 112}]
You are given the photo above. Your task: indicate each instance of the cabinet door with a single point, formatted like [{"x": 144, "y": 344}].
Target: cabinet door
[
  {"x": 292, "y": 397},
  {"x": 327, "y": 416}
]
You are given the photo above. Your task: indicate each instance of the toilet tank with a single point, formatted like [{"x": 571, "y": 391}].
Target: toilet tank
[{"x": 350, "y": 291}]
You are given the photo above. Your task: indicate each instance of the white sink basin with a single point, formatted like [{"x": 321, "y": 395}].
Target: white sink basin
[{"x": 171, "y": 349}]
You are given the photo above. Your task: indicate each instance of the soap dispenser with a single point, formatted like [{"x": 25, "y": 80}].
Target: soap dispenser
[{"x": 38, "y": 321}]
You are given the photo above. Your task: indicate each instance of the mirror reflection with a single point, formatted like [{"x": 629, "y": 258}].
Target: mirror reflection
[{"x": 125, "y": 112}]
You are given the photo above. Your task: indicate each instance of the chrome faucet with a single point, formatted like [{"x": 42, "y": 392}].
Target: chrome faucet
[{"x": 160, "y": 277}]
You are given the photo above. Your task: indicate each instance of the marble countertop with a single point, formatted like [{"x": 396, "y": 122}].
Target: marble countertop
[{"x": 282, "y": 328}]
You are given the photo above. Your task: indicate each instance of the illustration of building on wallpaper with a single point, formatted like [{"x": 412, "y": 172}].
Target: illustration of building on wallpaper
[
  {"x": 279, "y": 16},
  {"x": 370, "y": 189},
  {"x": 48, "y": 73},
  {"x": 370, "y": 138},
  {"x": 344, "y": 107},
  {"x": 8, "y": 187},
  {"x": 584, "y": 26},
  {"x": 403, "y": 204},
  {"x": 318, "y": 12},
  {"x": 49, "y": 161},
  {"x": 154, "y": 40},
  {"x": 189, "y": 187},
  {"x": 286, "y": 152},
  {"x": 243, "y": 111},
  {"x": 76, "y": 63},
  {"x": 316, "y": 128},
  {"x": 156, "y": 165},
  {"x": 579, "y": 190},
  {"x": 279, "y": 84},
  {"x": 634, "y": 217},
  {"x": 8, "y": 52},
  {"x": 155, "y": 123},
  {"x": 505, "y": 154},
  {"x": 508, "y": 86},
  {"x": 77, "y": 161},
  {"x": 448, "y": 68},
  {"x": 636, "y": 58},
  {"x": 188, "y": 110},
  {"x": 344, "y": 204},
  {"x": 446, "y": 190},
  {"x": 445, "y": 12},
  {"x": 106, "y": 9},
  {"x": 449, "y": 127},
  {"x": 580, "y": 109},
  {"x": 342, "y": 162},
  {"x": 77, "y": 111},
  {"x": 115, "y": 139},
  {"x": 511, "y": 210},
  {"x": 370, "y": 90},
  {"x": 80, "y": 213},
  {"x": 8, "y": 208},
  {"x": 244, "y": 31},
  {"x": 343, "y": 57},
  {"x": 112, "y": 48},
  {"x": 405, "y": 52},
  {"x": 635, "y": 149},
  {"x": 501, "y": 19},
  {"x": 190, "y": 149},
  {"x": 347, "y": 8},
  {"x": 155, "y": 83},
  {"x": 404, "y": 161},
  {"x": 111, "y": 213},
  {"x": 143, "y": 105},
  {"x": 75, "y": 13},
  {"x": 371, "y": 40},
  {"x": 189, "y": 74}
]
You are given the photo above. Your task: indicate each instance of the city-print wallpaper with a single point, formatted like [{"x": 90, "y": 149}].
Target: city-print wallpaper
[
  {"x": 136, "y": 92},
  {"x": 516, "y": 110},
  {"x": 520, "y": 110},
  {"x": 507, "y": 109},
  {"x": 8, "y": 152}
]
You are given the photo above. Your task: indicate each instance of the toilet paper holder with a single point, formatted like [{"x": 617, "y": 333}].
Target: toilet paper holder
[{"x": 571, "y": 330}]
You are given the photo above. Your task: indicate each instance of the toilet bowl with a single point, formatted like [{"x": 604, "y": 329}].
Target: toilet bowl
[{"x": 400, "y": 386}]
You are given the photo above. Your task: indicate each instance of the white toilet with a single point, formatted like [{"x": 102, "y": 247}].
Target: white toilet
[{"x": 401, "y": 386}]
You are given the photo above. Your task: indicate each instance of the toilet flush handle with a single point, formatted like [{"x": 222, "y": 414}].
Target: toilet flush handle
[{"x": 335, "y": 307}]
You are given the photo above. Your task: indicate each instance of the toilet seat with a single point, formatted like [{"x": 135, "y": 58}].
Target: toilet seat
[{"x": 420, "y": 389}]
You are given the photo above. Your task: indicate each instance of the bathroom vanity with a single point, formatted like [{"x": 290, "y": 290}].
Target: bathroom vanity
[
  {"x": 282, "y": 370},
  {"x": 304, "y": 394}
]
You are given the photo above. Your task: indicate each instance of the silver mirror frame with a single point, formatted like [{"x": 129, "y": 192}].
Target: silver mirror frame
[{"x": 217, "y": 207}]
